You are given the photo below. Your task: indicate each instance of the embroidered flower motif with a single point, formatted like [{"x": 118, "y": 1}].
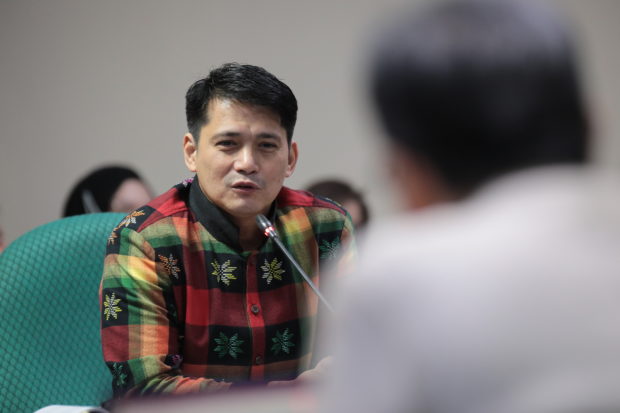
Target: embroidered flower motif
[
  {"x": 177, "y": 359},
  {"x": 272, "y": 270},
  {"x": 174, "y": 360},
  {"x": 329, "y": 250},
  {"x": 111, "y": 307},
  {"x": 112, "y": 237},
  {"x": 129, "y": 219},
  {"x": 170, "y": 265},
  {"x": 223, "y": 272},
  {"x": 120, "y": 378},
  {"x": 187, "y": 181},
  {"x": 230, "y": 346},
  {"x": 172, "y": 311},
  {"x": 282, "y": 342}
]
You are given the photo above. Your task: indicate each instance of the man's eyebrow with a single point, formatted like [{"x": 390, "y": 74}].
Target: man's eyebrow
[
  {"x": 234, "y": 134},
  {"x": 226, "y": 134},
  {"x": 268, "y": 135}
]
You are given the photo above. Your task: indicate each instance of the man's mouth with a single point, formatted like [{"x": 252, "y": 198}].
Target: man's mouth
[{"x": 245, "y": 186}]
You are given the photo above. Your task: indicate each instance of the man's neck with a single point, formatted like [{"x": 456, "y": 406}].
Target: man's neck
[
  {"x": 250, "y": 236},
  {"x": 240, "y": 233}
]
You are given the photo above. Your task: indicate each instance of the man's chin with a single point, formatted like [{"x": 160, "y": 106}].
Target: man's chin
[{"x": 246, "y": 211}]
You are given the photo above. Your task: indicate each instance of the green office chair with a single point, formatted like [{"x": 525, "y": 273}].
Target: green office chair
[{"x": 50, "y": 348}]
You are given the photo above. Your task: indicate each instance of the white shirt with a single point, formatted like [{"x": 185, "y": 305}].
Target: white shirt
[{"x": 508, "y": 302}]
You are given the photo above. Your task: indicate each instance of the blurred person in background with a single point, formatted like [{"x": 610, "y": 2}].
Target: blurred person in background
[
  {"x": 344, "y": 194},
  {"x": 499, "y": 290},
  {"x": 108, "y": 189}
]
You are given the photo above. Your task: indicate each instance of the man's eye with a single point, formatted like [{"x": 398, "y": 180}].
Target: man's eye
[
  {"x": 267, "y": 145},
  {"x": 225, "y": 143}
]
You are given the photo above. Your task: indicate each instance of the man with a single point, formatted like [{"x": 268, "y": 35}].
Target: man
[
  {"x": 501, "y": 293},
  {"x": 194, "y": 297}
]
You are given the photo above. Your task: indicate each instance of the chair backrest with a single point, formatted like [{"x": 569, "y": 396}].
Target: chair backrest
[{"x": 50, "y": 347}]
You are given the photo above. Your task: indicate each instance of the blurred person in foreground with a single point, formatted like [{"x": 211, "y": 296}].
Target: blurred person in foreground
[
  {"x": 194, "y": 297},
  {"x": 107, "y": 189},
  {"x": 499, "y": 291},
  {"x": 344, "y": 194}
]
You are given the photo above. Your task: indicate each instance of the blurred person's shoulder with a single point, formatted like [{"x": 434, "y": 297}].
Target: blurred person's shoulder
[{"x": 510, "y": 219}]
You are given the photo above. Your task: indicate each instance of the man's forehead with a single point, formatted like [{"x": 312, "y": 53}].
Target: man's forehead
[
  {"x": 229, "y": 112},
  {"x": 228, "y": 104}
]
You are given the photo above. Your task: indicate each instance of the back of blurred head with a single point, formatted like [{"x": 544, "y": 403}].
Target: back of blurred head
[
  {"x": 110, "y": 188},
  {"x": 473, "y": 89}
]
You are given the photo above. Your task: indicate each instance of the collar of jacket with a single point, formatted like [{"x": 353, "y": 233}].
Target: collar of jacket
[{"x": 216, "y": 221}]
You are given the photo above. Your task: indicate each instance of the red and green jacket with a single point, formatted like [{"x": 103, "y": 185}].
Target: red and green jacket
[{"x": 184, "y": 309}]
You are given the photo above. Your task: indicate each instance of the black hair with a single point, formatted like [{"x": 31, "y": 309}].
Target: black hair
[
  {"x": 94, "y": 192},
  {"x": 480, "y": 88},
  {"x": 242, "y": 83}
]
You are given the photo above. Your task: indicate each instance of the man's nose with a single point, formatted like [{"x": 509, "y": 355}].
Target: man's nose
[{"x": 246, "y": 161}]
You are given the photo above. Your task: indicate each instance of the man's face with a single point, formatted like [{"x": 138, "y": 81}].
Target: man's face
[{"x": 242, "y": 157}]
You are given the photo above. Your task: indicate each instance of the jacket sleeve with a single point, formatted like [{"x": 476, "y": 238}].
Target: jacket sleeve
[
  {"x": 347, "y": 253},
  {"x": 138, "y": 324}
]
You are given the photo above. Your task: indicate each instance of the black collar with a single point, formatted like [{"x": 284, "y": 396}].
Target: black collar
[{"x": 216, "y": 221}]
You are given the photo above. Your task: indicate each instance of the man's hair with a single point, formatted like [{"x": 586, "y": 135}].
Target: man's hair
[
  {"x": 244, "y": 84},
  {"x": 478, "y": 88}
]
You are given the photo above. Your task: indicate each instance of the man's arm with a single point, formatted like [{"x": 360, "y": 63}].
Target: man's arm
[
  {"x": 139, "y": 328},
  {"x": 342, "y": 264},
  {"x": 347, "y": 253}
]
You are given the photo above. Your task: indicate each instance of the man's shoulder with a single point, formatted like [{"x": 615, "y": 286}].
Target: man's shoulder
[
  {"x": 173, "y": 202},
  {"x": 292, "y": 198},
  {"x": 302, "y": 210}
]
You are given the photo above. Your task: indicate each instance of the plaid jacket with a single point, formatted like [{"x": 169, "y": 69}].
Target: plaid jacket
[{"x": 183, "y": 309}]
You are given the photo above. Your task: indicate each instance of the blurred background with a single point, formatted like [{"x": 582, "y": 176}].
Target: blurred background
[{"x": 85, "y": 83}]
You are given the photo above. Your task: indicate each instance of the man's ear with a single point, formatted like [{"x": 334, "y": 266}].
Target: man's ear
[
  {"x": 190, "y": 146},
  {"x": 292, "y": 159}
]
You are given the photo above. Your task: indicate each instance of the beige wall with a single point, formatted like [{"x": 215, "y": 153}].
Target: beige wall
[{"x": 85, "y": 82}]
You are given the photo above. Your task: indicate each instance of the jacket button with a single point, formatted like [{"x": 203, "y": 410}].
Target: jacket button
[
  {"x": 255, "y": 309},
  {"x": 258, "y": 360}
]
